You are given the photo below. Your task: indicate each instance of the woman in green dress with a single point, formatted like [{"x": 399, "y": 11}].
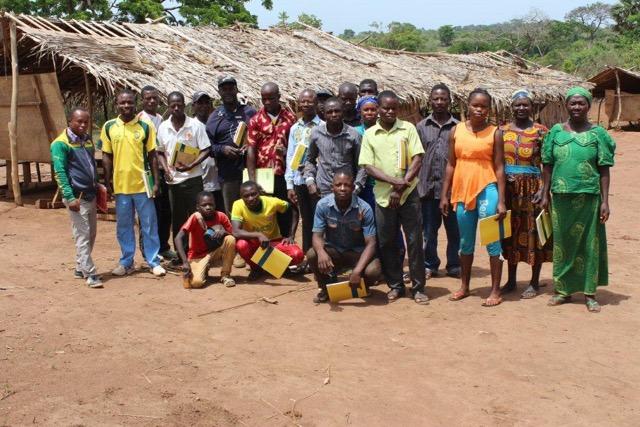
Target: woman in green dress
[{"x": 577, "y": 156}]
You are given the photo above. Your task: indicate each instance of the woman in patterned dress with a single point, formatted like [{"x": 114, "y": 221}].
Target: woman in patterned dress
[
  {"x": 522, "y": 146},
  {"x": 577, "y": 156}
]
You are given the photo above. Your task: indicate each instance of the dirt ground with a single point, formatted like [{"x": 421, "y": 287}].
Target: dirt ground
[{"x": 144, "y": 351}]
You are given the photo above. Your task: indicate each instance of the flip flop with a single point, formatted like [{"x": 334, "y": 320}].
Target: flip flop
[
  {"x": 558, "y": 299},
  {"x": 458, "y": 295},
  {"x": 592, "y": 305},
  {"x": 529, "y": 293},
  {"x": 492, "y": 302}
]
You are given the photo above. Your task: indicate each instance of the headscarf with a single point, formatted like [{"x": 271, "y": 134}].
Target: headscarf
[
  {"x": 366, "y": 100},
  {"x": 577, "y": 90},
  {"x": 520, "y": 93}
]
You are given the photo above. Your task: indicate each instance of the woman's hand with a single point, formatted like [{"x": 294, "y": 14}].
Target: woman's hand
[
  {"x": 604, "y": 212},
  {"x": 502, "y": 211},
  {"x": 537, "y": 198},
  {"x": 544, "y": 202},
  {"x": 445, "y": 206}
]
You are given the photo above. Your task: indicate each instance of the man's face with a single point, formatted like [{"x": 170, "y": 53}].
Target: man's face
[
  {"x": 368, "y": 89},
  {"x": 79, "y": 123},
  {"x": 333, "y": 112},
  {"x": 440, "y": 101},
  {"x": 228, "y": 93},
  {"x": 126, "y": 105},
  {"x": 202, "y": 107},
  {"x": 349, "y": 98},
  {"x": 250, "y": 196},
  {"x": 271, "y": 100},
  {"x": 342, "y": 187},
  {"x": 307, "y": 103},
  {"x": 150, "y": 101},
  {"x": 207, "y": 206},
  {"x": 388, "y": 110},
  {"x": 176, "y": 107}
]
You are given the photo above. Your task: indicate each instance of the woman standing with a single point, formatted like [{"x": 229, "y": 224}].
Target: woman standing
[
  {"x": 576, "y": 157},
  {"x": 367, "y": 106},
  {"x": 475, "y": 174},
  {"x": 522, "y": 146}
]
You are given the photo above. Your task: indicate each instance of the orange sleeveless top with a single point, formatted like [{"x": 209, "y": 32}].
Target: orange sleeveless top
[{"x": 474, "y": 164}]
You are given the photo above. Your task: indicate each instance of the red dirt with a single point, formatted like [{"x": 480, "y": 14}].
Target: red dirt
[{"x": 138, "y": 353}]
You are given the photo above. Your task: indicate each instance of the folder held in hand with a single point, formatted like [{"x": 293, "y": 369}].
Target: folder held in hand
[
  {"x": 492, "y": 231},
  {"x": 272, "y": 261}
]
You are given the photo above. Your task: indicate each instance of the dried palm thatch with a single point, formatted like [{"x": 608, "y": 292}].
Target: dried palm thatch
[{"x": 192, "y": 58}]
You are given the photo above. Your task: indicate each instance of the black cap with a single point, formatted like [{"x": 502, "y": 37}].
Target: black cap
[
  {"x": 324, "y": 93},
  {"x": 199, "y": 94},
  {"x": 227, "y": 79}
]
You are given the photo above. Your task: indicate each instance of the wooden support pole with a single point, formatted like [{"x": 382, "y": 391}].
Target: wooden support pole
[
  {"x": 87, "y": 89},
  {"x": 13, "y": 124},
  {"x": 619, "y": 95}
]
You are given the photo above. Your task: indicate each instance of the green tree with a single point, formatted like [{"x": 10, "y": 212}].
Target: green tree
[
  {"x": 592, "y": 17},
  {"x": 310, "y": 20},
  {"x": 446, "y": 35},
  {"x": 626, "y": 14},
  {"x": 283, "y": 18},
  {"x": 348, "y": 34}
]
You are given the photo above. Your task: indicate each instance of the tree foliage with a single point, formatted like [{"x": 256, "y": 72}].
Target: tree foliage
[
  {"x": 308, "y": 19},
  {"x": 446, "y": 33},
  {"x": 626, "y": 15},
  {"x": 592, "y": 17}
]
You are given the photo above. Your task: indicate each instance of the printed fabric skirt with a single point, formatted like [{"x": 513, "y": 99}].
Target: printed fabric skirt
[
  {"x": 579, "y": 244},
  {"x": 523, "y": 245}
]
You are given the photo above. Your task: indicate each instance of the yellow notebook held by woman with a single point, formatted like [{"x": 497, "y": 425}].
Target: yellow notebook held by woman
[
  {"x": 272, "y": 261},
  {"x": 342, "y": 291},
  {"x": 492, "y": 230}
]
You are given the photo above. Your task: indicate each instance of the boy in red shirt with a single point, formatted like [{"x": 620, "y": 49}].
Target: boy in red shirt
[{"x": 210, "y": 240}]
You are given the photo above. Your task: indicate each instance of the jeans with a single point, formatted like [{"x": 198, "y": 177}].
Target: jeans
[
  {"x": 388, "y": 221},
  {"x": 163, "y": 213},
  {"x": 432, "y": 218},
  {"x": 307, "y": 207},
  {"x": 343, "y": 260},
  {"x": 126, "y": 207},
  {"x": 486, "y": 205}
]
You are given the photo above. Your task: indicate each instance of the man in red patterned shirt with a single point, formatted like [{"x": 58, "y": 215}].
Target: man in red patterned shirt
[{"x": 267, "y": 139}]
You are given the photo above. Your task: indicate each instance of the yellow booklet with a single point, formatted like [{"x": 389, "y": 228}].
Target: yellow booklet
[
  {"x": 239, "y": 135},
  {"x": 492, "y": 230},
  {"x": 543, "y": 225},
  {"x": 299, "y": 156},
  {"x": 184, "y": 154},
  {"x": 264, "y": 176},
  {"x": 342, "y": 291},
  {"x": 272, "y": 261},
  {"x": 402, "y": 154}
]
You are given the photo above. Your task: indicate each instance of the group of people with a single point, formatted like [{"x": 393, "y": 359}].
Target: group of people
[{"x": 370, "y": 189}]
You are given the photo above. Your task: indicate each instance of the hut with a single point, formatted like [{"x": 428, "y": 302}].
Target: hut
[
  {"x": 616, "y": 96},
  {"x": 90, "y": 61}
]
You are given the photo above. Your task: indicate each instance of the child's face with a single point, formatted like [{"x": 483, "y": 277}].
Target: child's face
[{"x": 207, "y": 206}]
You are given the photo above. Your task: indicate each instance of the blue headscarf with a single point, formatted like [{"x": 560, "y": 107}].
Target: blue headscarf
[
  {"x": 520, "y": 93},
  {"x": 366, "y": 100}
]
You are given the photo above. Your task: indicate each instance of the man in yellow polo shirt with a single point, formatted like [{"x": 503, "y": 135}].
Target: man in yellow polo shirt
[
  {"x": 392, "y": 153},
  {"x": 129, "y": 147}
]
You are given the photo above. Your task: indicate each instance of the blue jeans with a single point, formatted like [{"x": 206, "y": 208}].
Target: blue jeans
[
  {"x": 126, "y": 207},
  {"x": 432, "y": 218},
  {"x": 486, "y": 205}
]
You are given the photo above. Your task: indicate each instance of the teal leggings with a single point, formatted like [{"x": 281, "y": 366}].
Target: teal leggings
[{"x": 486, "y": 205}]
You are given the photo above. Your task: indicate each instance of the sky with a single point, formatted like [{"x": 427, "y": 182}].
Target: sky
[{"x": 338, "y": 15}]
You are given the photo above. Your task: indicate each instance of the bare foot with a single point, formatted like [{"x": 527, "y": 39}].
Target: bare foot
[{"x": 493, "y": 300}]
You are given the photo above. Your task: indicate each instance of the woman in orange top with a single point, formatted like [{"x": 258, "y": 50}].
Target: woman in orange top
[{"x": 475, "y": 176}]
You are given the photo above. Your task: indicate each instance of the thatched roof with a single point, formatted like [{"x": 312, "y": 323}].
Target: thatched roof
[{"x": 189, "y": 59}]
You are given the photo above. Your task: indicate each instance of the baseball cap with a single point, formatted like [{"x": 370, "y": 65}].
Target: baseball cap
[
  {"x": 324, "y": 93},
  {"x": 227, "y": 79},
  {"x": 199, "y": 94}
]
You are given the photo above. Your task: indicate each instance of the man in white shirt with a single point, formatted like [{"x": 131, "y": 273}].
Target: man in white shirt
[{"x": 184, "y": 178}]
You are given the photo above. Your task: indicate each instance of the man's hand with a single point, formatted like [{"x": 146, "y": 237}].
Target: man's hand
[
  {"x": 264, "y": 241},
  {"x": 181, "y": 167},
  {"x": 167, "y": 175},
  {"x": 313, "y": 190},
  {"x": 155, "y": 190},
  {"x": 394, "y": 200},
  {"x": 325, "y": 265},
  {"x": 288, "y": 241},
  {"x": 354, "y": 279},
  {"x": 186, "y": 270},
  {"x": 293, "y": 197},
  {"x": 218, "y": 231},
  {"x": 281, "y": 149},
  {"x": 74, "y": 206},
  {"x": 231, "y": 152},
  {"x": 445, "y": 206},
  {"x": 399, "y": 185}
]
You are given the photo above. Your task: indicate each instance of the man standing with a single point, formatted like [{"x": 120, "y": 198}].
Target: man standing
[
  {"x": 434, "y": 133},
  {"x": 344, "y": 237},
  {"x": 72, "y": 154},
  {"x": 150, "y": 104},
  {"x": 296, "y": 189},
  {"x": 202, "y": 106},
  {"x": 333, "y": 146},
  {"x": 267, "y": 142},
  {"x": 185, "y": 180},
  {"x": 392, "y": 154},
  {"x": 348, "y": 93},
  {"x": 368, "y": 87},
  {"x": 221, "y": 128},
  {"x": 129, "y": 151}
]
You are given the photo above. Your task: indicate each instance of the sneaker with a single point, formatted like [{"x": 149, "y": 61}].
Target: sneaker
[
  {"x": 121, "y": 270},
  {"x": 321, "y": 297},
  {"x": 158, "y": 271},
  {"x": 94, "y": 281},
  {"x": 228, "y": 281},
  {"x": 239, "y": 262},
  {"x": 78, "y": 274},
  {"x": 168, "y": 255},
  {"x": 454, "y": 272}
]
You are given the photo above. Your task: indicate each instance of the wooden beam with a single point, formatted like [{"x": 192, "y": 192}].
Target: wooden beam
[
  {"x": 13, "y": 124},
  {"x": 619, "y": 96},
  {"x": 87, "y": 88}
]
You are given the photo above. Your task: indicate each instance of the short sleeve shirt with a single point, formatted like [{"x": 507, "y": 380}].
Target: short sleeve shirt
[
  {"x": 266, "y": 133},
  {"x": 193, "y": 134},
  {"x": 344, "y": 231},
  {"x": 263, "y": 221},
  {"x": 381, "y": 149},
  {"x": 575, "y": 158},
  {"x": 127, "y": 141},
  {"x": 197, "y": 246}
]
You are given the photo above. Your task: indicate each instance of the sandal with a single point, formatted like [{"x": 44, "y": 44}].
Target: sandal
[
  {"x": 530, "y": 292},
  {"x": 592, "y": 305},
  {"x": 228, "y": 281},
  {"x": 394, "y": 294},
  {"x": 458, "y": 295},
  {"x": 421, "y": 298},
  {"x": 558, "y": 299},
  {"x": 492, "y": 302}
]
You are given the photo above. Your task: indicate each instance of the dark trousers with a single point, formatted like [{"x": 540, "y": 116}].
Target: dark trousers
[
  {"x": 280, "y": 191},
  {"x": 387, "y": 221},
  {"x": 183, "y": 201},
  {"x": 307, "y": 208},
  {"x": 432, "y": 218},
  {"x": 367, "y": 195},
  {"x": 341, "y": 261},
  {"x": 230, "y": 193},
  {"x": 219, "y": 200},
  {"x": 163, "y": 215}
]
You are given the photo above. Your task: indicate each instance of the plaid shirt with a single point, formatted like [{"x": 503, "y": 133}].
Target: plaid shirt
[{"x": 265, "y": 135}]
